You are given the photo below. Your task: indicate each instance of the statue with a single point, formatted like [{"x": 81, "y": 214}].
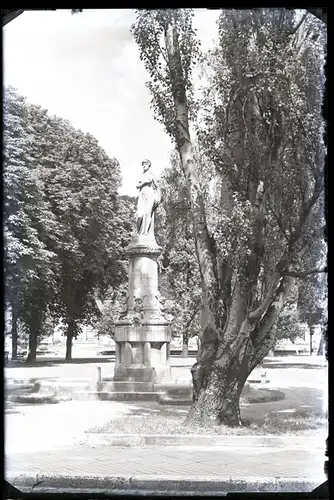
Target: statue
[{"x": 148, "y": 200}]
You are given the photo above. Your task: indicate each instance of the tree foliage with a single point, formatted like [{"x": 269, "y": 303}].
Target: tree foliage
[
  {"x": 115, "y": 296},
  {"x": 289, "y": 326},
  {"x": 179, "y": 272},
  {"x": 83, "y": 194},
  {"x": 312, "y": 299},
  {"x": 65, "y": 229},
  {"x": 30, "y": 263}
]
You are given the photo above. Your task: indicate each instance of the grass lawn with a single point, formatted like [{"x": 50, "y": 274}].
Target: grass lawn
[
  {"x": 299, "y": 421},
  {"x": 251, "y": 396}
]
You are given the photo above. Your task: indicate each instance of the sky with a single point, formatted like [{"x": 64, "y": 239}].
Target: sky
[{"x": 86, "y": 68}]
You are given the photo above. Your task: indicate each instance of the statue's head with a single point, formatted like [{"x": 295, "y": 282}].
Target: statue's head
[{"x": 146, "y": 165}]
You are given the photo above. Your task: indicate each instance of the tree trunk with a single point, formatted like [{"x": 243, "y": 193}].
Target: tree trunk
[
  {"x": 32, "y": 345},
  {"x": 219, "y": 387},
  {"x": 185, "y": 341},
  {"x": 320, "y": 351},
  {"x": 204, "y": 244},
  {"x": 69, "y": 339},
  {"x": 220, "y": 372},
  {"x": 185, "y": 335},
  {"x": 311, "y": 327},
  {"x": 14, "y": 334}
]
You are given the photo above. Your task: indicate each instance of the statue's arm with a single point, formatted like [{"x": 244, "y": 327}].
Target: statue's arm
[
  {"x": 141, "y": 184},
  {"x": 154, "y": 181},
  {"x": 145, "y": 182}
]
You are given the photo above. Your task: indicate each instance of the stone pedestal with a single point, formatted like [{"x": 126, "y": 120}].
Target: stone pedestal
[{"x": 142, "y": 335}]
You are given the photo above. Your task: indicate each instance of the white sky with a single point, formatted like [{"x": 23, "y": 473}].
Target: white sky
[{"x": 86, "y": 68}]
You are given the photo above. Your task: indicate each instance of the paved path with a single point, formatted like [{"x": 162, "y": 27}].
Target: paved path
[
  {"x": 47, "y": 427},
  {"x": 82, "y": 460}
]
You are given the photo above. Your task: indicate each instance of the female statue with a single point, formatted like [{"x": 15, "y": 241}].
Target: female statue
[{"x": 148, "y": 200}]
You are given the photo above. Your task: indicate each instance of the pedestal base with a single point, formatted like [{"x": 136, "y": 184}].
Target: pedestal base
[
  {"x": 142, "y": 352},
  {"x": 143, "y": 335},
  {"x": 145, "y": 374},
  {"x": 167, "y": 393}
]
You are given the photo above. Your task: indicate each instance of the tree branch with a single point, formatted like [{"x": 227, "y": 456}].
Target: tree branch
[
  {"x": 155, "y": 67},
  {"x": 157, "y": 41},
  {"x": 304, "y": 274},
  {"x": 260, "y": 311},
  {"x": 263, "y": 337},
  {"x": 318, "y": 186},
  {"x": 192, "y": 317},
  {"x": 279, "y": 221}
]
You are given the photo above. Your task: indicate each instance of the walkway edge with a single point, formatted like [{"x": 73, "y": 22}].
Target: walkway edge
[
  {"x": 164, "y": 484},
  {"x": 292, "y": 442}
]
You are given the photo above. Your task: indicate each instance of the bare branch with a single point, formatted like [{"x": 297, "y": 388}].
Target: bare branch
[
  {"x": 246, "y": 124},
  {"x": 304, "y": 274},
  {"x": 279, "y": 222},
  {"x": 318, "y": 187},
  {"x": 192, "y": 317}
]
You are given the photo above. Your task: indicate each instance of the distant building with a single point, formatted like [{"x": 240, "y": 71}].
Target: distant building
[{"x": 88, "y": 333}]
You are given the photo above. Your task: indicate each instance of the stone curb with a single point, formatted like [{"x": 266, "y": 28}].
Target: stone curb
[
  {"x": 134, "y": 440},
  {"x": 163, "y": 484}
]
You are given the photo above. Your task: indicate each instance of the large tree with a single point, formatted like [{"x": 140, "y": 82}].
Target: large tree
[
  {"x": 15, "y": 220},
  {"x": 65, "y": 228},
  {"x": 81, "y": 182},
  {"x": 261, "y": 127},
  {"x": 30, "y": 263}
]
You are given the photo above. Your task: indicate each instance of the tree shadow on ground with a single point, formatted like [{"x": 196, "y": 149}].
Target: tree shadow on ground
[
  {"x": 309, "y": 397},
  {"x": 150, "y": 408}
]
